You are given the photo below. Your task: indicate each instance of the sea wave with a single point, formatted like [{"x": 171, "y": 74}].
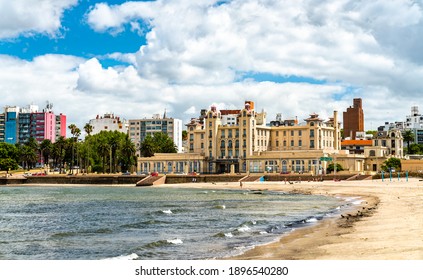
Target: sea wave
[
  {"x": 167, "y": 211},
  {"x": 132, "y": 256}
]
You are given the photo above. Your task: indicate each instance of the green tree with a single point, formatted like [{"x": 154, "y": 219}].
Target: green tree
[
  {"x": 45, "y": 150},
  {"x": 408, "y": 137},
  {"x": 391, "y": 163},
  {"x": 147, "y": 148},
  {"x": 331, "y": 168},
  {"x": 28, "y": 156},
  {"x": 184, "y": 135},
  {"x": 88, "y": 129},
  {"x": 58, "y": 152},
  {"x": 9, "y": 156},
  {"x": 127, "y": 156},
  {"x": 164, "y": 144},
  {"x": 7, "y": 164},
  {"x": 76, "y": 132}
]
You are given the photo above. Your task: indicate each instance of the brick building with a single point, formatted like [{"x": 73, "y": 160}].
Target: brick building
[{"x": 353, "y": 119}]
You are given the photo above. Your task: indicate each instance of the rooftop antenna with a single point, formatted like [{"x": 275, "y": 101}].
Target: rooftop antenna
[{"x": 49, "y": 106}]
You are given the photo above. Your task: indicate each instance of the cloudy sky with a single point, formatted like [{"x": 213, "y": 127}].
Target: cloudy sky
[{"x": 138, "y": 58}]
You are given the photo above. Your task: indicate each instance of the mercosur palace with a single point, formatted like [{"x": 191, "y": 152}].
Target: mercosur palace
[{"x": 240, "y": 141}]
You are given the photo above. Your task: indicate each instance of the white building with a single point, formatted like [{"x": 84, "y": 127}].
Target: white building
[
  {"x": 140, "y": 128},
  {"x": 108, "y": 122}
]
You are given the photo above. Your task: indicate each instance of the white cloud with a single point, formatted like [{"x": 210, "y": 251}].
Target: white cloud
[
  {"x": 197, "y": 52},
  {"x": 367, "y": 45},
  {"x": 28, "y": 17}
]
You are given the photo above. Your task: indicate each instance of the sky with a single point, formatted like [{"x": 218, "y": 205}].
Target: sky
[{"x": 139, "y": 58}]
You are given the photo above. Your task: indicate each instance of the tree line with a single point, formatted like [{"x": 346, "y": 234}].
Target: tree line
[{"x": 104, "y": 152}]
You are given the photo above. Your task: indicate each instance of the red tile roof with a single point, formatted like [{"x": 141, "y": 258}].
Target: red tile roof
[{"x": 356, "y": 143}]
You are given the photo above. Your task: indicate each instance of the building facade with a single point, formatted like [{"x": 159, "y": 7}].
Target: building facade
[
  {"x": 251, "y": 146},
  {"x": 2, "y": 126},
  {"x": 353, "y": 119},
  {"x": 20, "y": 124},
  {"x": 108, "y": 122},
  {"x": 140, "y": 128},
  {"x": 60, "y": 126}
]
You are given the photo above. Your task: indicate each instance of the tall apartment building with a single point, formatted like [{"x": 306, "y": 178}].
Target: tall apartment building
[
  {"x": 43, "y": 126},
  {"x": 11, "y": 122},
  {"x": 24, "y": 123},
  {"x": 2, "y": 126},
  {"x": 140, "y": 128},
  {"x": 60, "y": 126},
  {"x": 108, "y": 122},
  {"x": 353, "y": 119}
]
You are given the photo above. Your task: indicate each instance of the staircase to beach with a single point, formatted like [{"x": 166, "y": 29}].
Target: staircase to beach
[
  {"x": 250, "y": 178},
  {"x": 151, "y": 180}
]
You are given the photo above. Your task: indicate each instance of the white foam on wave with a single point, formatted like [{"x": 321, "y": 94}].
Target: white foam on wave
[
  {"x": 167, "y": 211},
  {"x": 175, "y": 241},
  {"x": 311, "y": 220},
  {"x": 263, "y": 232},
  {"x": 132, "y": 256},
  {"x": 244, "y": 228},
  {"x": 229, "y": 234},
  {"x": 357, "y": 202}
]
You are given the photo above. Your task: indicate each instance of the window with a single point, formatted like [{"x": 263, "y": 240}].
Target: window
[
  {"x": 202, "y": 135},
  {"x": 237, "y": 143},
  {"x": 222, "y": 144},
  {"x": 292, "y": 133},
  {"x": 202, "y": 145},
  {"x": 230, "y": 144},
  {"x": 284, "y": 143},
  {"x": 292, "y": 143},
  {"x": 284, "y": 133},
  {"x": 311, "y": 144},
  {"x": 230, "y": 133},
  {"x": 210, "y": 144},
  {"x": 311, "y": 132},
  {"x": 300, "y": 143},
  {"x": 277, "y": 143},
  {"x": 237, "y": 133},
  {"x": 223, "y": 134},
  {"x": 244, "y": 122},
  {"x": 277, "y": 133},
  {"x": 210, "y": 124},
  {"x": 300, "y": 132}
]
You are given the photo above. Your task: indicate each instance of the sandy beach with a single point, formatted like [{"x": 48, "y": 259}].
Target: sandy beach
[{"x": 387, "y": 225}]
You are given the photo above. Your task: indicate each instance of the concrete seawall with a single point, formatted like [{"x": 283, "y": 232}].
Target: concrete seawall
[{"x": 80, "y": 179}]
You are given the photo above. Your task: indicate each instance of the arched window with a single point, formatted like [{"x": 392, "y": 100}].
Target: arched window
[
  {"x": 393, "y": 134},
  {"x": 230, "y": 144},
  {"x": 222, "y": 144},
  {"x": 311, "y": 123}
]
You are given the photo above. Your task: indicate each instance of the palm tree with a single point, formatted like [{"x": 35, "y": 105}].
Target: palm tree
[
  {"x": 58, "y": 152},
  {"x": 88, "y": 129},
  {"x": 127, "y": 153},
  {"x": 46, "y": 148},
  {"x": 75, "y": 131},
  {"x": 408, "y": 137}
]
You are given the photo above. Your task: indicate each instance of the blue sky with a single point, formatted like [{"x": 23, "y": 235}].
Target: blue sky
[
  {"x": 136, "y": 58},
  {"x": 75, "y": 37}
]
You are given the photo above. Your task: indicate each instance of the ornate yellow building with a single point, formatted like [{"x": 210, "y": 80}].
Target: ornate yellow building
[{"x": 239, "y": 141}]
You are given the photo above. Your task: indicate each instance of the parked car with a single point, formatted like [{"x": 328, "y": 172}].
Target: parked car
[{"x": 154, "y": 174}]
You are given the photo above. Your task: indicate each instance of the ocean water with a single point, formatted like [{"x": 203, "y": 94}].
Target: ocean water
[{"x": 60, "y": 223}]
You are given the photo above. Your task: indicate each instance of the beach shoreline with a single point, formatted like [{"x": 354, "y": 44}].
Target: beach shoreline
[{"x": 386, "y": 225}]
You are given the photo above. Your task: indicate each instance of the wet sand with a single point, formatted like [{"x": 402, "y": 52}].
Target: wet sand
[{"x": 387, "y": 225}]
